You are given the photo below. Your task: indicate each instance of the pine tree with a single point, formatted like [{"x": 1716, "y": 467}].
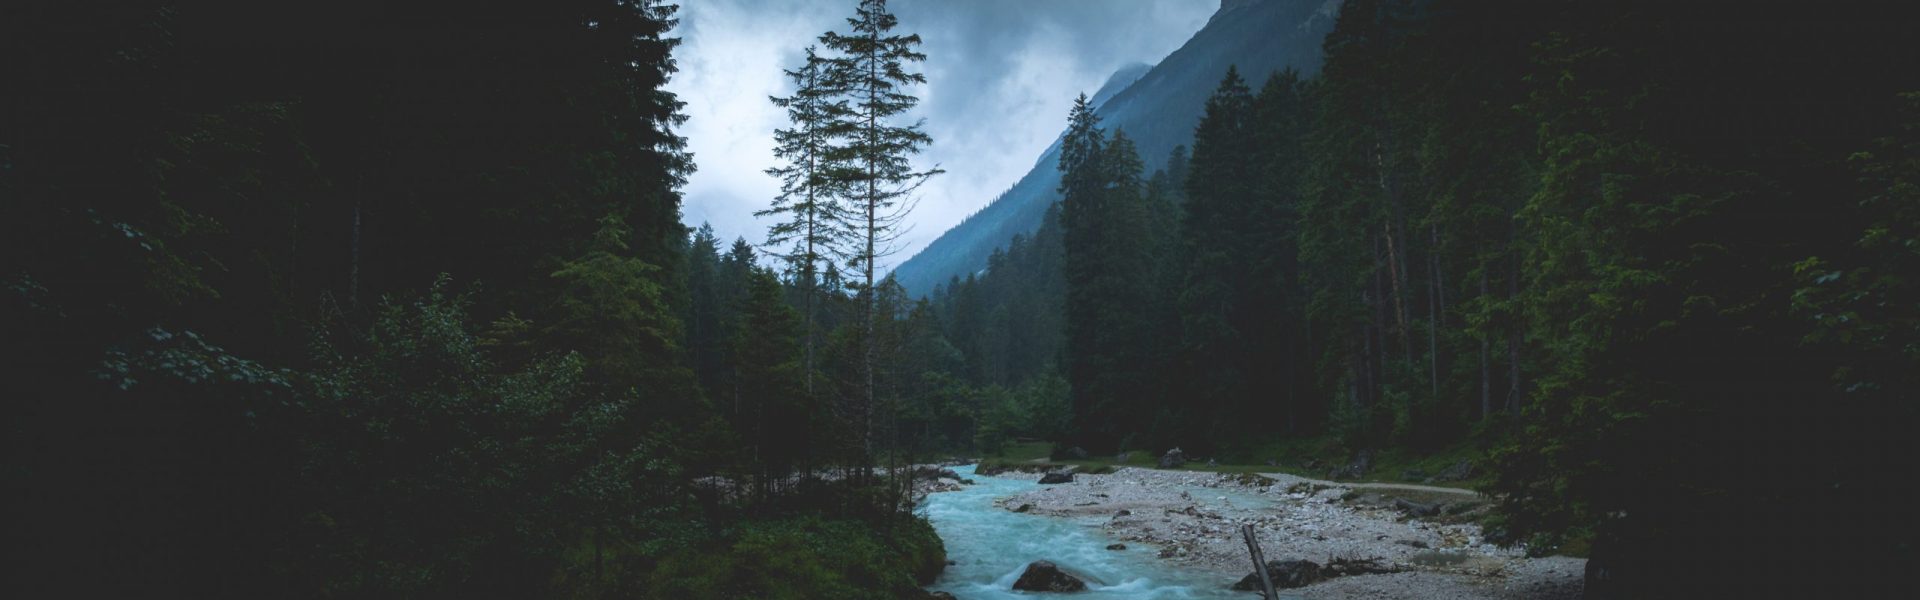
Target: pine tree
[
  {"x": 773, "y": 418},
  {"x": 1216, "y": 243},
  {"x": 871, "y": 155},
  {"x": 807, "y": 199}
]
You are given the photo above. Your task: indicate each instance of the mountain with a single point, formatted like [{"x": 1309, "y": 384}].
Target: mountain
[{"x": 1158, "y": 107}]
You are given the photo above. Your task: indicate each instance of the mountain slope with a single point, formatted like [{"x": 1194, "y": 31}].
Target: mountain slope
[{"x": 1158, "y": 109}]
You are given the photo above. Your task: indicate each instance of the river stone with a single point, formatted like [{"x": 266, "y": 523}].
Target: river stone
[
  {"x": 1044, "y": 576},
  {"x": 1116, "y": 546},
  {"x": 1057, "y": 477},
  {"x": 1173, "y": 459},
  {"x": 1416, "y": 509},
  {"x": 1284, "y": 573}
]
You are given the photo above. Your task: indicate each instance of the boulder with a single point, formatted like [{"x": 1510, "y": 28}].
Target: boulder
[
  {"x": 933, "y": 472},
  {"x": 1076, "y": 453},
  {"x": 1123, "y": 457},
  {"x": 1023, "y": 508},
  {"x": 1116, "y": 546},
  {"x": 1044, "y": 576},
  {"x": 1361, "y": 464},
  {"x": 1057, "y": 477},
  {"x": 940, "y": 596},
  {"x": 1284, "y": 574},
  {"x": 1349, "y": 566},
  {"x": 1416, "y": 509},
  {"x": 1173, "y": 459},
  {"x": 1460, "y": 471}
]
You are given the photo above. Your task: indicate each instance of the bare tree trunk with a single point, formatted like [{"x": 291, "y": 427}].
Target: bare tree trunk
[
  {"x": 1259, "y": 563},
  {"x": 353, "y": 267},
  {"x": 1513, "y": 326},
  {"x": 1436, "y": 306},
  {"x": 1486, "y": 351}
]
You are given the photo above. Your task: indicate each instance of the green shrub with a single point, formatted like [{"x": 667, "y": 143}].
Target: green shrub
[{"x": 806, "y": 557}]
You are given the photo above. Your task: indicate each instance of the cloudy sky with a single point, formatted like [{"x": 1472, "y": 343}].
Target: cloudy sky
[{"x": 1001, "y": 76}]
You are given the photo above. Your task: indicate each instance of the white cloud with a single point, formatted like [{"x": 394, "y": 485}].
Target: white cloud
[{"x": 1001, "y": 75}]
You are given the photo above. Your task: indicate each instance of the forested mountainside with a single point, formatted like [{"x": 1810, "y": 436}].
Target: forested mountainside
[
  {"x": 1158, "y": 110},
  {"x": 369, "y": 300},
  {"x": 1652, "y": 263}
]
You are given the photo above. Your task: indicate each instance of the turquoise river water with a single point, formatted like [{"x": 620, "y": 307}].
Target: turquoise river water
[{"x": 992, "y": 545}]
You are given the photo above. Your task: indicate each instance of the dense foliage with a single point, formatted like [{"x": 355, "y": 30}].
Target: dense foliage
[
  {"x": 1647, "y": 259},
  {"x": 370, "y": 300}
]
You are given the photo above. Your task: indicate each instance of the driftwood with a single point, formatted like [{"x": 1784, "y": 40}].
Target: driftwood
[{"x": 1259, "y": 562}]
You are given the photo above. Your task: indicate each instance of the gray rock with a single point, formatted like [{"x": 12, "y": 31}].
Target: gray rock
[
  {"x": 940, "y": 596},
  {"x": 1460, "y": 471},
  {"x": 1057, "y": 477},
  {"x": 1116, "y": 546},
  {"x": 1123, "y": 457},
  {"x": 1173, "y": 459},
  {"x": 1023, "y": 508},
  {"x": 1416, "y": 509},
  {"x": 1044, "y": 576},
  {"x": 1284, "y": 574},
  {"x": 1076, "y": 453},
  {"x": 1361, "y": 464},
  {"x": 931, "y": 472}
]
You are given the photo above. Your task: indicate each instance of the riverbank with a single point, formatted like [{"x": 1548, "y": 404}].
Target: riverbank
[{"x": 1192, "y": 520}]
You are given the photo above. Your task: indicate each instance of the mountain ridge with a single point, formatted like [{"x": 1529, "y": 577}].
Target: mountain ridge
[{"x": 1158, "y": 109}]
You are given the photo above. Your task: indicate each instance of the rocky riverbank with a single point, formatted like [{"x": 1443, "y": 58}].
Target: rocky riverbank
[{"x": 1422, "y": 536}]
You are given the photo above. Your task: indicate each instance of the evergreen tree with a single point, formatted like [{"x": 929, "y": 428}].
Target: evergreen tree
[
  {"x": 775, "y": 419},
  {"x": 871, "y": 155},
  {"x": 1214, "y": 300},
  {"x": 812, "y": 208}
]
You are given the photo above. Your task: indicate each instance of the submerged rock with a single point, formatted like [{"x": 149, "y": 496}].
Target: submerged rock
[
  {"x": 1044, "y": 576},
  {"x": 1116, "y": 546}
]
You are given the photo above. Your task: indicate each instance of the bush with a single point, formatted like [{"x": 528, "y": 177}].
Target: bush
[{"x": 807, "y": 557}]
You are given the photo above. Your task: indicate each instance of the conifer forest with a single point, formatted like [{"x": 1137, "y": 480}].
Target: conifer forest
[{"x": 1605, "y": 299}]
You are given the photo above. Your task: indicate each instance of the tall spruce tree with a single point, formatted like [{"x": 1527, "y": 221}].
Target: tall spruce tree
[
  {"x": 1217, "y": 242},
  {"x": 1083, "y": 191},
  {"x": 808, "y": 199},
  {"x": 872, "y": 157}
]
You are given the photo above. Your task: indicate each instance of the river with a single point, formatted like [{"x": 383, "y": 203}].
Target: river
[{"x": 992, "y": 545}]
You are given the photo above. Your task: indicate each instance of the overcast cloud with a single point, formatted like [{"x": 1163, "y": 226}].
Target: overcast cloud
[{"x": 1001, "y": 76}]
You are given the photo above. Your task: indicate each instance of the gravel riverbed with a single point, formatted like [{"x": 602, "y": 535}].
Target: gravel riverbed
[{"x": 1193, "y": 520}]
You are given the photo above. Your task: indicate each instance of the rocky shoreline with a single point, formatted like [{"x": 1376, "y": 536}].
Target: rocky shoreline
[{"x": 1194, "y": 520}]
